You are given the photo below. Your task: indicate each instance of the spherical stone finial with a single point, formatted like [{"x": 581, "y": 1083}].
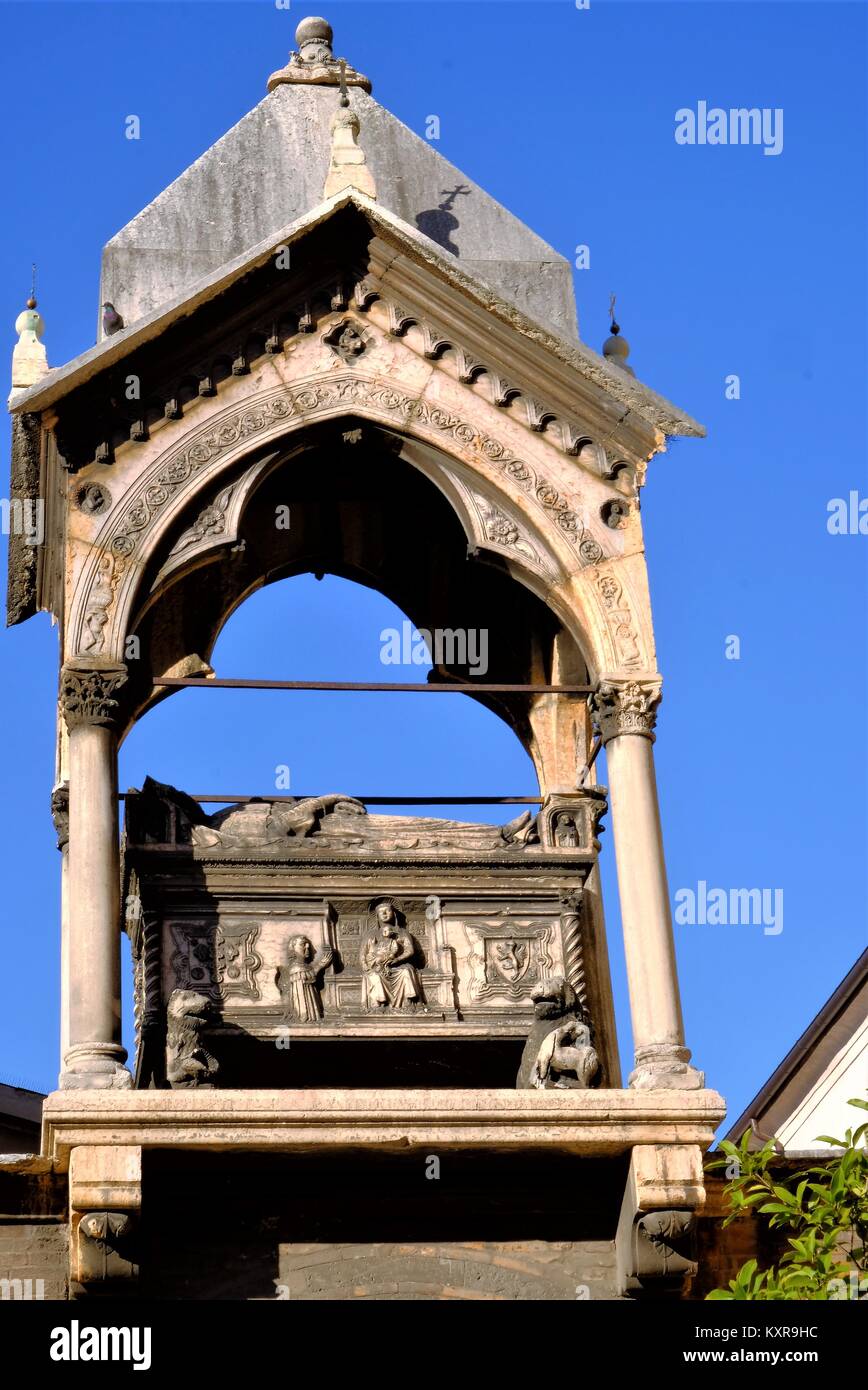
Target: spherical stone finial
[
  {"x": 314, "y": 27},
  {"x": 312, "y": 36},
  {"x": 29, "y": 321},
  {"x": 616, "y": 350},
  {"x": 314, "y": 61}
]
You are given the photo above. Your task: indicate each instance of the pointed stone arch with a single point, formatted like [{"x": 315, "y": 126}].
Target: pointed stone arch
[{"x": 509, "y": 504}]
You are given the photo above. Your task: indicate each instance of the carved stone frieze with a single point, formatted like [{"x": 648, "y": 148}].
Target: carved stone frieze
[{"x": 237, "y": 961}]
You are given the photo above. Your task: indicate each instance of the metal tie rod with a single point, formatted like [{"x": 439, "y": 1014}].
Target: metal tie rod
[
  {"x": 372, "y": 800},
  {"x": 470, "y": 687}
]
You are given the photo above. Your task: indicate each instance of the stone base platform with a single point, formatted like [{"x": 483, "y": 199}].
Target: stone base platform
[
  {"x": 330, "y": 1193},
  {"x": 599, "y": 1122}
]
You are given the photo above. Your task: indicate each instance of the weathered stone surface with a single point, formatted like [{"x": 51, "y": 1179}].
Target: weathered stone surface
[
  {"x": 34, "y": 1245},
  {"x": 24, "y": 492},
  {"x": 221, "y": 207},
  {"x": 34, "y": 1258},
  {"x": 585, "y": 1122}
]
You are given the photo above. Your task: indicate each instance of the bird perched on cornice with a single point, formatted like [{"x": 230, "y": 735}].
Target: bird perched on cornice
[{"x": 111, "y": 319}]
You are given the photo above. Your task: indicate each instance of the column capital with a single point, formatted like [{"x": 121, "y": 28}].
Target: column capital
[
  {"x": 626, "y": 705},
  {"x": 87, "y": 693}
]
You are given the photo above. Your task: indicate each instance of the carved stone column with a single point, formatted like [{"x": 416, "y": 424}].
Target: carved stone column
[
  {"x": 625, "y": 712},
  {"x": 94, "y": 1058}
]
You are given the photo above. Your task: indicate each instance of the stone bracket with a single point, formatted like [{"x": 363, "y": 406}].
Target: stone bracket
[
  {"x": 105, "y": 1196},
  {"x": 655, "y": 1245}
]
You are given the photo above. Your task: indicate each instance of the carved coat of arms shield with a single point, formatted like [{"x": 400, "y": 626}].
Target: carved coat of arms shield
[{"x": 511, "y": 959}]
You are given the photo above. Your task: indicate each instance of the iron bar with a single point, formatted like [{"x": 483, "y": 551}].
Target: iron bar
[
  {"x": 585, "y": 772},
  {"x": 206, "y": 682},
  {"x": 373, "y": 800}
]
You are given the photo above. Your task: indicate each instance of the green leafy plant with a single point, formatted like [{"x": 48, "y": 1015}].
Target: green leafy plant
[{"x": 824, "y": 1209}]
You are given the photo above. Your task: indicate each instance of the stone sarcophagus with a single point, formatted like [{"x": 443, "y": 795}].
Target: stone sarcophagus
[{"x": 310, "y": 943}]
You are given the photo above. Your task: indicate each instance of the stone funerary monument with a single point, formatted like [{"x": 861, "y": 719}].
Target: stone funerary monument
[{"x": 382, "y": 1045}]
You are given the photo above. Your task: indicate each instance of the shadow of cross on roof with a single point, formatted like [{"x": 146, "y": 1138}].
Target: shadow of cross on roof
[{"x": 438, "y": 223}]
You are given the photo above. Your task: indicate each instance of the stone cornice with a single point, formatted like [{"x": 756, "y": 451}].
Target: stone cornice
[
  {"x": 524, "y": 364},
  {"x": 583, "y": 370}
]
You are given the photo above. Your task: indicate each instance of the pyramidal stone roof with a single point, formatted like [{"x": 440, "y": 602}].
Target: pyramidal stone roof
[{"x": 270, "y": 169}]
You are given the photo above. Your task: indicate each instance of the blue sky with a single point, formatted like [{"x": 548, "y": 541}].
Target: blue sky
[{"x": 724, "y": 260}]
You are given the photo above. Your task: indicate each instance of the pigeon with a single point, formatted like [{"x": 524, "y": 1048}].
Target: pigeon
[{"x": 111, "y": 319}]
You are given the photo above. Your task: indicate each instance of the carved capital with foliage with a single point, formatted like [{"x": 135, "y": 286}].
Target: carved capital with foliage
[
  {"x": 88, "y": 694},
  {"x": 626, "y": 707}
]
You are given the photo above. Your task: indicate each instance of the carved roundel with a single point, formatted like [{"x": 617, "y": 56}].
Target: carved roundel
[{"x": 93, "y": 499}]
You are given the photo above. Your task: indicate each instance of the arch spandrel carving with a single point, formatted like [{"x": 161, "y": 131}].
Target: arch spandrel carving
[{"x": 503, "y": 480}]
